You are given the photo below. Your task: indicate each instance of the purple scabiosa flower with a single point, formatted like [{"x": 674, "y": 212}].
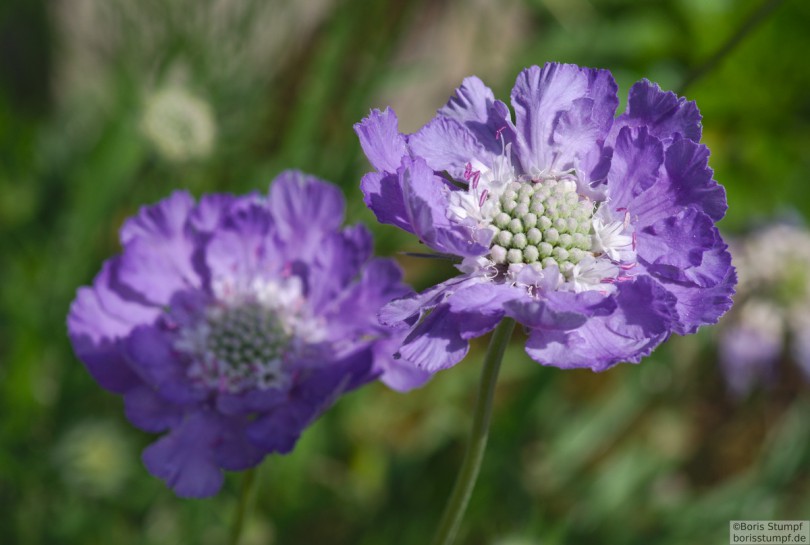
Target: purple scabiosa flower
[
  {"x": 596, "y": 232},
  {"x": 232, "y": 323},
  {"x": 772, "y": 315}
]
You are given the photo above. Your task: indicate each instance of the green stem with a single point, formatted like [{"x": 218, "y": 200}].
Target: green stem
[
  {"x": 247, "y": 485},
  {"x": 465, "y": 481}
]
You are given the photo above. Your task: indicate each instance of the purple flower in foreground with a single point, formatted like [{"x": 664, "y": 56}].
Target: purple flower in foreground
[
  {"x": 596, "y": 233},
  {"x": 772, "y": 315},
  {"x": 234, "y": 322}
]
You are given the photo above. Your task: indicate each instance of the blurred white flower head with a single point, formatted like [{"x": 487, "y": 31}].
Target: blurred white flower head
[
  {"x": 775, "y": 259},
  {"x": 180, "y": 125},
  {"x": 771, "y": 316}
]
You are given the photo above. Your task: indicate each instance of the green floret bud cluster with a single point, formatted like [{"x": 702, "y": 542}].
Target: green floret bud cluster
[
  {"x": 245, "y": 334},
  {"x": 541, "y": 222}
]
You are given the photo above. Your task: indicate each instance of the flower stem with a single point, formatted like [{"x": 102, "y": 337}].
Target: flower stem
[
  {"x": 747, "y": 27},
  {"x": 467, "y": 475},
  {"x": 247, "y": 486}
]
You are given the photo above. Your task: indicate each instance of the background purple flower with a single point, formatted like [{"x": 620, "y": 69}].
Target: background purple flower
[
  {"x": 232, "y": 323},
  {"x": 772, "y": 315},
  {"x": 596, "y": 233}
]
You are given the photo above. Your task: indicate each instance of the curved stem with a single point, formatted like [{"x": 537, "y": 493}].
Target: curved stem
[
  {"x": 241, "y": 509},
  {"x": 467, "y": 475},
  {"x": 747, "y": 27}
]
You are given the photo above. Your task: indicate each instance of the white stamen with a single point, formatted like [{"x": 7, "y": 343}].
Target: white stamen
[{"x": 590, "y": 274}]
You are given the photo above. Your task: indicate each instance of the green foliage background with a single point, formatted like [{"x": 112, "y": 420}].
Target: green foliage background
[{"x": 654, "y": 453}]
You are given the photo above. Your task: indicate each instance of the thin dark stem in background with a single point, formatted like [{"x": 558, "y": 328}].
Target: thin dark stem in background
[
  {"x": 748, "y": 26},
  {"x": 241, "y": 510}
]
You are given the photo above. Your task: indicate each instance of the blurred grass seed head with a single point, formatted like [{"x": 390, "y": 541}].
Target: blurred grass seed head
[
  {"x": 94, "y": 458},
  {"x": 178, "y": 124}
]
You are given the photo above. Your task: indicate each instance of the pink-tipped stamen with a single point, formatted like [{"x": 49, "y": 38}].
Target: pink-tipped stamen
[
  {"x": 499, "y": 132},
  {"x": 483, "y": 197},
  {"x": 634, "y": 241},
  {"x": 627, "y": 266},
  {"x": 467, "y": 171},
  {"x": 476, "y": 177}
]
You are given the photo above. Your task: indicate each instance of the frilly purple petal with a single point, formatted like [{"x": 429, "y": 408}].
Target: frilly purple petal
[
  {"x": 279, "y": 429},
  {"x": 157, "y": 269},
  {"x": 381, "y": 141},
  {"x": 234, "y": 451},
  {"x": 704, "y": 302},
  {"x": 305, "y": 208},
  {"x": 663, "y": 113},
  {"x": 149, "y": 411},
  {"x": 643, "y": 319},
  {"x": 685, "y": 181},
  {"x": 407, "y": 308},
  {"x": 576, "y": 103},
  {"x": 435, "y": 343},
  {"x": 560, "y": 310},
  {"x": 185, "y": 457},
  {"x": 446, "y": 144},
  {"x": 425, "y": 196},
  {"x": 245, "y": 246},
  {"x": 339, "y": 259},
  {"x": 151, "y": 355},
  {"x": 672, "y": 246},
  {"x": 395, "y": 372},
  {"x": 164, "y": 220},
  {"x": 99, "y": 317},
  {"x": 635, "y": 167},
  {"x": 383, "y": 195},
  {"x": 475, "y": 107}
]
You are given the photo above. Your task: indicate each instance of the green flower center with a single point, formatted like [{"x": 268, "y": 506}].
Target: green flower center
[
  {"x": 545, "y": 222},
  {"x": 246, "y": 334},
  {"x": 237, "y": 346}
]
